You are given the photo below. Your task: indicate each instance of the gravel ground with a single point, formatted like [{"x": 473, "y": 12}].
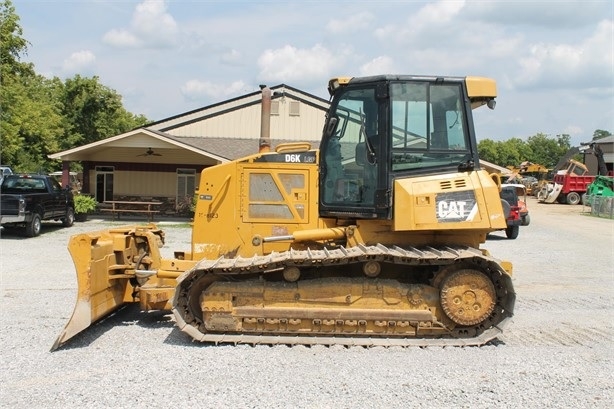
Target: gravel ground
[{"x": 556, "y": 352}]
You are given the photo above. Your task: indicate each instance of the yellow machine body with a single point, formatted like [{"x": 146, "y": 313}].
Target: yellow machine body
[
  {"x": 254, "y": 200},
  {"x": 292, "y": 247}
]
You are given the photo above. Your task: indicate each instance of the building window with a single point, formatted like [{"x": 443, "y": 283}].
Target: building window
[
  {"x": 295, "y": 108},
  {"x": 104, "y": 183},
  {"x": 274, "y": 107},
  {"x": 186, "y": 183}
]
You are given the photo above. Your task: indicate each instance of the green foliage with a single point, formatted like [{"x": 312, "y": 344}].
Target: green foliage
[
  {"x": 187, "y": 205},
  {"x": 93, "y": 111},
  {"x": 539, "y": 148},
  {"x": 40, "y": 116},
  {"x": 600, "y": 133},
  {"x": 30, "y": 122},
  {"x": 548, "y": 151},
  {"x": 12, "y": 44},
  {"x": 85, "y": 204}
]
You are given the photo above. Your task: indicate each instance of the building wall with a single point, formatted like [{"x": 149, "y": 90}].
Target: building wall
[
  {"x": 158, "y": 180},
  {"x": 607, "y": 147},
  {"x": 138, "y": 174},
  {"x": 145, "y": 183},
  {"x": 244, "y": 123}
]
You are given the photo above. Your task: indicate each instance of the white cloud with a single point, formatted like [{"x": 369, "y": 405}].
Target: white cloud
[
  {"x": 552, "y": 59},
  {"x": 574, "y": 130},
  {"x": 502, "y": 47},
  {"x": 79, "y": 61},
  {"x": 599, "y": 47},
  {"x": 121, "y": 38},
  {"x": 231, "y": 57},
  {"x": 557, "y": 15},
  {"x": 196, "y": 89},
  {"x": 151, "y": 26},
  {"x": 378, "y": 65},
  {"x": 437, "y": 13},
  {"x": 433, "y": 23},
  {"x": 584, "y": 65},
  {"x": 355, "y": 22},
  {"x": 151, "y": 20},
  {"x": 385, "y": 32},
  {"x": 289, "y": 63}
]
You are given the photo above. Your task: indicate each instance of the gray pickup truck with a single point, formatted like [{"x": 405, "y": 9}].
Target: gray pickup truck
[{"x": 27, "y": 200}]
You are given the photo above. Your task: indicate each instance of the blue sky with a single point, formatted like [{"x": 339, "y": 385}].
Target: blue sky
[{"x": 553, "y": 60}]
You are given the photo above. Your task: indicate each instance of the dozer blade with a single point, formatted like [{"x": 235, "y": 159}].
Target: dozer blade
[{"x": 105, "y": 265}]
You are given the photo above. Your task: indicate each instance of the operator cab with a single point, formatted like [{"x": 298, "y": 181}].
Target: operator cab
[{"x": 387, "y": 127}]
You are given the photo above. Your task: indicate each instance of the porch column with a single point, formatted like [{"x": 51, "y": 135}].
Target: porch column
[
  {"x": 85, "y": 183},
  {"x": 65, "y": 173}
]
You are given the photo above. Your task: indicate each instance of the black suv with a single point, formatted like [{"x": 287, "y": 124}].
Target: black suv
[{"x": 509, "y": 200}]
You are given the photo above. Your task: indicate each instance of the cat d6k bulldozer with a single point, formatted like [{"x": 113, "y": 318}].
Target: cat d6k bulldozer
[{"x": 372, "y": 239}]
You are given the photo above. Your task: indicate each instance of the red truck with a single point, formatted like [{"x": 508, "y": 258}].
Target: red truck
[{"x": 568, "y": 185}]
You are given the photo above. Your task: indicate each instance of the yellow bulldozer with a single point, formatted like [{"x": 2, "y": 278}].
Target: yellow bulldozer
[
  {"x": 532, "y": 175},
  {"x": 372, "y": 239}
]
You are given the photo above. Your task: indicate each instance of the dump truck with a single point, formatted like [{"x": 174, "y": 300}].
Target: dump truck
[
  {"x": 372, "y": 239},
  {"x": 572, "y": 180},
  {"x": 568, "y": 184}
]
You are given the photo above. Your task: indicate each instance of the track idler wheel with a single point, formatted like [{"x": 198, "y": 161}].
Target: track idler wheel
[{"x": 467, "y": 296}]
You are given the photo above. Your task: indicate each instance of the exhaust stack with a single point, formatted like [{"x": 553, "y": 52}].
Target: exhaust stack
[{"x": 264, "y": 145}]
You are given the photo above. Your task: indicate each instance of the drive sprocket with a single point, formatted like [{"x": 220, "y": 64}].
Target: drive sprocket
[{"x": 468, "y": 296}]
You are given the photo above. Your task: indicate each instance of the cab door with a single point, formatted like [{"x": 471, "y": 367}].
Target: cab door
[
  {"x": 278, "y": 196},
  {"x": 58, "y": 199}
]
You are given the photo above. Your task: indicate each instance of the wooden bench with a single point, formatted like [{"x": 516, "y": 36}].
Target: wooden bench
[{"x": 118, "y": 207}]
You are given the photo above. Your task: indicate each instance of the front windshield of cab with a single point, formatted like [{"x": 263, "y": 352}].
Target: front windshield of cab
[{"x": 428, "y": 126}]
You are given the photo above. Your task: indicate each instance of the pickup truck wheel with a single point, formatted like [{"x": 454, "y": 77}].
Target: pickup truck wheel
[
  {"x": 34, "y": 227},
  {"x": 573, "y": 198},
  {"x": 512, "y": 232},
  {"x": 69, "y": 219}
]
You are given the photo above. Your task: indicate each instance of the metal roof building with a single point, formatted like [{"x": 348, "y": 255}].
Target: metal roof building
[{"x": 164, "y": 159}]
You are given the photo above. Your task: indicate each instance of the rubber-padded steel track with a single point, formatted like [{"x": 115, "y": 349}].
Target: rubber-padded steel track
[{"x": 434, "y": 256}]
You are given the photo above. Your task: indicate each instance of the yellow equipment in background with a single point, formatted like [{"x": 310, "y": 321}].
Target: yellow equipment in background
[
  {"x": 372, "y": 239},
  {"x": 532, "y": 175}
]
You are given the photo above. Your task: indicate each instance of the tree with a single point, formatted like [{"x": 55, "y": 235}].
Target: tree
[
  {"x": 12, "y": 44},
  {"x": 548, "y": 151},
  {"x": 600, "y": 133},
  {"x": 513, "y": 152},
  {"x": 40, "y": 116},
  {"x": 487, "y": 150},
  {"x": 539, "y": 148},
  {"x": 504, "y": 153},
  {"x": 93, "y": 111},
  {"x": 31, "y": 124},
  {"x": 30, "y": 121}
]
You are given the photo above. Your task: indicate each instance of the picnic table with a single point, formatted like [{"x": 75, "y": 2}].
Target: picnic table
[{"x": 126, "y": 206}]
